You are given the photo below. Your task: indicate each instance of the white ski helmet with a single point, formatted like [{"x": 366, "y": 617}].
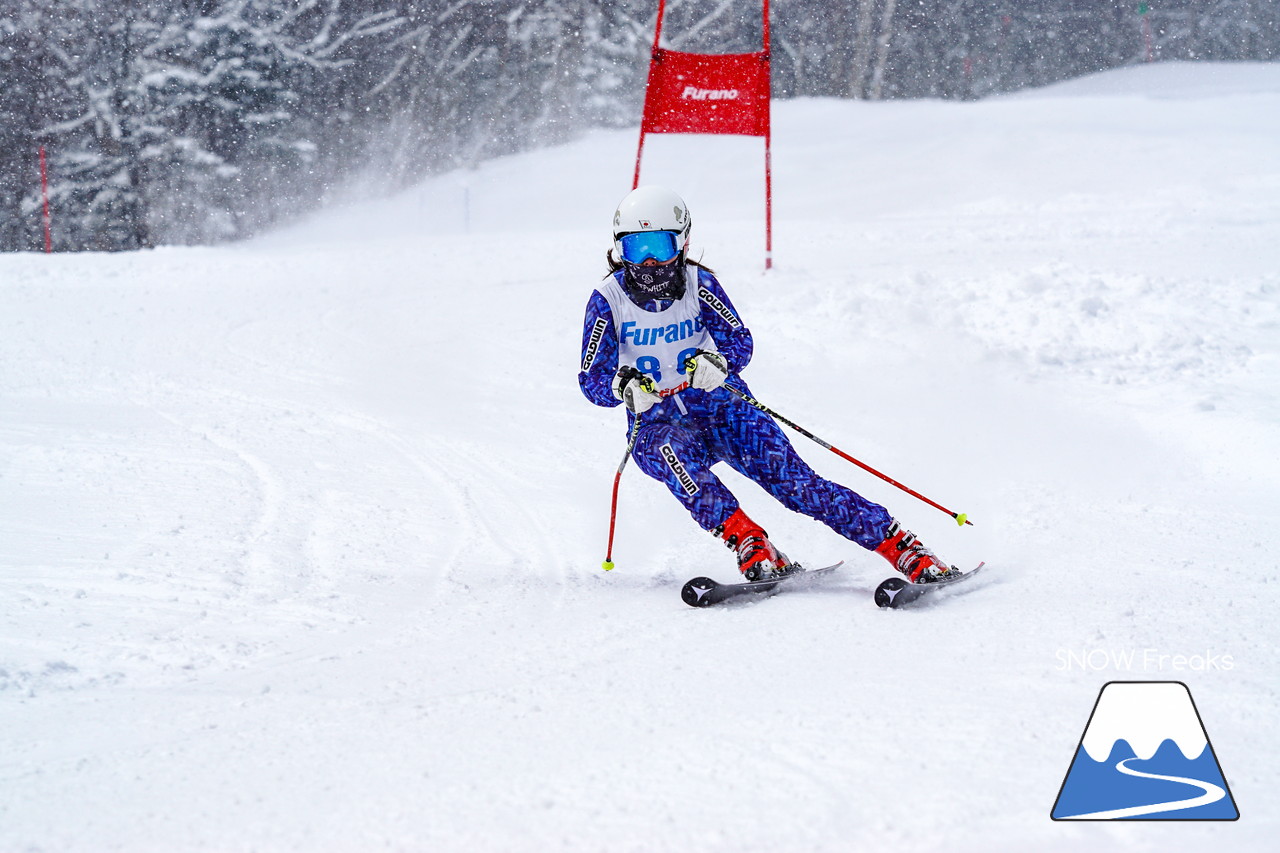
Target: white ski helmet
[{"x": 652, "y": 208}]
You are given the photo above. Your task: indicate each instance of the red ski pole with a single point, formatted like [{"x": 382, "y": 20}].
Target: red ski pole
[
  {"x": 607, "y": 565},
  {"x": 960, "y": 517}
]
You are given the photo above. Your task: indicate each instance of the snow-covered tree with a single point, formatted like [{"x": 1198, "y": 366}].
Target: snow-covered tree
[
  {"x": 23, "y": 60},
  {"x": 183, "y": 122},
  {"x": 469, "y": 79}
]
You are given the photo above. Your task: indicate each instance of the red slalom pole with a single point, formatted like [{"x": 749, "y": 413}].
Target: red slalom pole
[
  {"x": 653, "y": 58},
  {"x": 768, "y": 155},
  {"x": 607, "y": 565},
  {"x": 44, "y": 192},
  {"x": 960, "y": 517}
]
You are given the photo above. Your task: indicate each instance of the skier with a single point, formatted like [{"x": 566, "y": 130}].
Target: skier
[{"x": 662, "y": 336}]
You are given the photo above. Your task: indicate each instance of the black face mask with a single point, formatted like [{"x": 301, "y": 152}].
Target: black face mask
[{"x": 660, "y": 282}]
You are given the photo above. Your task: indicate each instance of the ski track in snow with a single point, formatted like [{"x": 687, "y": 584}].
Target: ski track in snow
[{"x": 300, "y": 539}]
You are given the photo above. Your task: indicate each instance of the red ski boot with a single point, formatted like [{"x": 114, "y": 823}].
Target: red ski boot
[
  {"x": 909, "y": 556},
  {"x": 757, "y": 558}
]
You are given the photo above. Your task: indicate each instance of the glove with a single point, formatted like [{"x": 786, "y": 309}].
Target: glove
[
  {"x": 635, "y": 389},
  {"x": 707, "y": 370}
]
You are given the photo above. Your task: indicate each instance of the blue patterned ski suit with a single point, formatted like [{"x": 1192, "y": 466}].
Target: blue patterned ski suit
[{"x": 681, "y": 437}]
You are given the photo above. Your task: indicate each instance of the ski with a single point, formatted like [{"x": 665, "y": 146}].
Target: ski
[
  {"x": 900, "y": 592},
  {"x": 704, "y": 592}
]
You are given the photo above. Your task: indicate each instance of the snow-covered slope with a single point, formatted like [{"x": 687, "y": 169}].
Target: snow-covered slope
[{"x": 300, "y": 539}]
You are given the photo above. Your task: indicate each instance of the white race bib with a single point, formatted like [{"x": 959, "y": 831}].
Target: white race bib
[{"x": 657, "y": 343}]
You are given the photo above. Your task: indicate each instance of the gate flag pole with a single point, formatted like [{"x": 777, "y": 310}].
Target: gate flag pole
[
  {"x": 653, "y": 66},
  {"x": 768, "y": 155},
  {"x": 714, "y": 93}
]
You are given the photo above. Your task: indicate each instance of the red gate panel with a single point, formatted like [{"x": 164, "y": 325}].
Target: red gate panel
[{"x": 707, "y": 93}]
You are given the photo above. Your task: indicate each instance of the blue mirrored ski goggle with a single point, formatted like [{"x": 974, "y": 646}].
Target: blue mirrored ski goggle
[{"x": 642, "y": 245}]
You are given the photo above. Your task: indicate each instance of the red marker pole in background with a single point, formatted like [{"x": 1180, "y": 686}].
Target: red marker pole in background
[{"x": 44, "y": 193}]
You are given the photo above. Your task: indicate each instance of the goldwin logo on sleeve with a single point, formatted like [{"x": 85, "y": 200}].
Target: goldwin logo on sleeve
[{"x": 593, "y": 344}]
